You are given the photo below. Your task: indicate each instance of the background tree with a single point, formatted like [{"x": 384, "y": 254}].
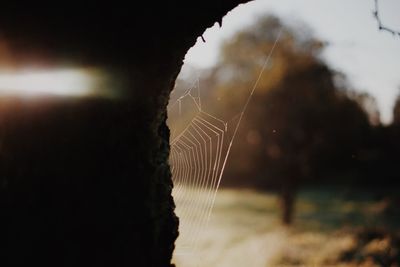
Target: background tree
[{"x": 300, "y": 126}]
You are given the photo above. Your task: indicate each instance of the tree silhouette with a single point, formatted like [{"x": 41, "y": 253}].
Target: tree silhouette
[{"x": 300, "y": 126}]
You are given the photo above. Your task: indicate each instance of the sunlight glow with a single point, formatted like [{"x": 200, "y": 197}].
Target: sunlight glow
[{"x": 64, "y": 82}]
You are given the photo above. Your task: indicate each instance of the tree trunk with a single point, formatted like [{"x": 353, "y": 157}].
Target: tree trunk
[
  {"x": 288, "y": 201},
  {"x": 86, "y": 182}
]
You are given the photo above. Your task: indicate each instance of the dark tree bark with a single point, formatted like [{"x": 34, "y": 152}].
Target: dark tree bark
[{"x": 87, "y": 182}]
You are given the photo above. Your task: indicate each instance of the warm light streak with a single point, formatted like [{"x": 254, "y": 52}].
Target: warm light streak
[{"x": 64, "y": 82}]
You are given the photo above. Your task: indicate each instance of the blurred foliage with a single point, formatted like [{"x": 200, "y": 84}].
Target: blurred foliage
[
  {"x": 298, "y": 118},
  {"x": 374, "y": 246}
]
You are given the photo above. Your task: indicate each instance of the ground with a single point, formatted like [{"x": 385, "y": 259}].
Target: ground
[{"x": 332, "y": 228}]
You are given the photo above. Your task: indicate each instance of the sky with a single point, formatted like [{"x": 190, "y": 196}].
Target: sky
[{"x": 370, "y": 58}]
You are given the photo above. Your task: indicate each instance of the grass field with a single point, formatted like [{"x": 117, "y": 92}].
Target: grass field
[{"x": 330, "y": 229}]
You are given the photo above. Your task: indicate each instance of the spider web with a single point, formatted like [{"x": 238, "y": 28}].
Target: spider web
[
  {"x": 198, "y": 156},
  {"x": 199, "y": 151}
]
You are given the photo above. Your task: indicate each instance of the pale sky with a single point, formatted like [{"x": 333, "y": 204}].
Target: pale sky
[{"x": 370, "y": 58}]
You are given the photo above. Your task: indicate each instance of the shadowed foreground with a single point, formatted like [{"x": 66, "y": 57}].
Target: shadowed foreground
[{"x": 86, "y": 182}]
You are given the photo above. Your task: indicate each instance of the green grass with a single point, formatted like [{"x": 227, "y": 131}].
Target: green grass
[{"x": 332, "y": 209}]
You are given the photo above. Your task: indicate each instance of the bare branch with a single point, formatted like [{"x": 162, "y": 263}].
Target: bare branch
[{"x": 380, "y": 25}]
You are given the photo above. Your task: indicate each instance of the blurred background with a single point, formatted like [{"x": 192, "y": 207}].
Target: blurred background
[{"x": 312, "y": 178}]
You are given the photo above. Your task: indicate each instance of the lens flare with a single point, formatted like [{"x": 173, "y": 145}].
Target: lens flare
[{"x": 65, "y": 82}]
